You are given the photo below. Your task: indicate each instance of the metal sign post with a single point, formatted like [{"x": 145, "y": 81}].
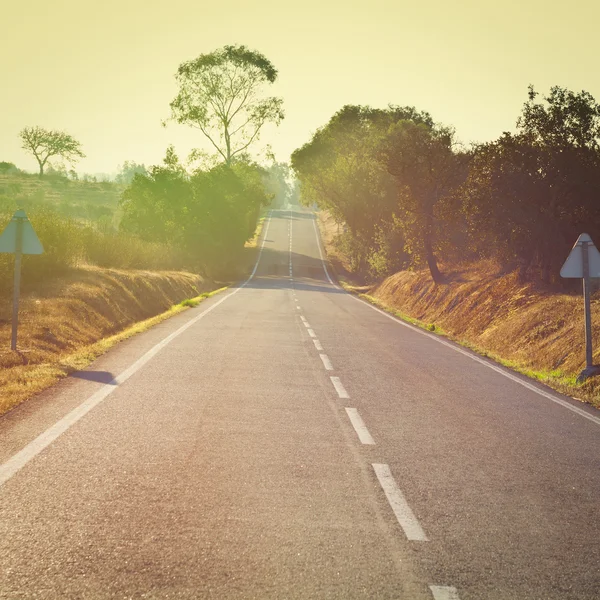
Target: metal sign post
[
  {"x": 18, "y": 238},
  {"x": 583, "y": 262},
  {"x": 587, "y": 303},
  {"x": 17, "y": 281}
]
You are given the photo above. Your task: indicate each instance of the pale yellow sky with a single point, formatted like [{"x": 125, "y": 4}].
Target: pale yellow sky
[{"x": 103, "y": 71}]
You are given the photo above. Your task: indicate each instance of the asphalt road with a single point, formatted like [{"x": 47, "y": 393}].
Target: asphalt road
[{"x": 286, "y": 440}]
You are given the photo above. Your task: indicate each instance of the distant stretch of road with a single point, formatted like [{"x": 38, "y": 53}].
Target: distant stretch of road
[{"x": 285, "y": 440}]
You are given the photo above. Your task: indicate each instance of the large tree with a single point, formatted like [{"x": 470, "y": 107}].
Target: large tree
[
  {"x": 340, "y": 171},
  {"x": 45, "y": 144},
  {"x": 220, "y": 94},
  {"x": 531, "y": 193},
  {"x": 428, "y": 169}
]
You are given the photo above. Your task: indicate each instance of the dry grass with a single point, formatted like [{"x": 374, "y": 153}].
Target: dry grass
[
  {"x": 71, "y": 321},
  {"x": 531, "y": 328}
]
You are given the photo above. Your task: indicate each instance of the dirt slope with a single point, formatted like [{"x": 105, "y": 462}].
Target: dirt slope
[
  {"x": 533, "y": 328},
  {"x": 65, "y": 317}
]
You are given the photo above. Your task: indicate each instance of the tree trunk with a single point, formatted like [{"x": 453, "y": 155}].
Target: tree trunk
[
  {"x": 429, "y": 254},
  {"x": 432, "y": 264},
  {"x": 41, "y": 169}
]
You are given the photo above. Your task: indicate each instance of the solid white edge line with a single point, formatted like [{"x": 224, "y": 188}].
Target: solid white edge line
[
  {"x": 435, "y": 338},
  {"x": 399, "y": 505},
  {"x": 359, "y": 426},
  {"x": 326, "y": 362},
  {"x": 311, "y": 333},
  {"x": 339, "y": 387},
  {"x": 442, "y": 592},
  {"x": 42, "y": 441},
  {"x": 317, "y": 344}
]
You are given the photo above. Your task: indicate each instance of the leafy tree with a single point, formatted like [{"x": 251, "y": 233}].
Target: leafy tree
[
  {"x": 155, "y": 205},
  {"x": 7, "y": 167},
  {"x": 340, "y": 170},
  {"x": 128, "y": 171},
  {"x": 209, "y": 214},
  {"x": 219, "y": 93},
  {"x": 45, "y": 144},
  {"x": 427, "y": 170},
  {"x": 277, "y": 182},
  {"x": 530, "y": 194}
]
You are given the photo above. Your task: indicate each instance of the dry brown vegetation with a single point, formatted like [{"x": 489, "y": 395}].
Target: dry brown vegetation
[
  {"x": 62, "y": 321},
  {"x": 533, "y": 328},
  {"x": 69, "y": 320}
]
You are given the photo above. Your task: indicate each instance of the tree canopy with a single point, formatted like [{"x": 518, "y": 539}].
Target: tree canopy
[
  {"x": 410, "y": 195},
  {"x": 45, "y": 144},
  {"x": 220, "y": 94},
  {"x": 209, "y": 214}
]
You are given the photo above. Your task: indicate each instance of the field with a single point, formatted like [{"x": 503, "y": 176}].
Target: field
[{"x": 81, "y": 200}]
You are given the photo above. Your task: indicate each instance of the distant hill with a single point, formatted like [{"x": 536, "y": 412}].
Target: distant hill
[{"x": 82, "y": 200}]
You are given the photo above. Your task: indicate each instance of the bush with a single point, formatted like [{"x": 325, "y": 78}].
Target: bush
[{"x": 68, "y": 244}]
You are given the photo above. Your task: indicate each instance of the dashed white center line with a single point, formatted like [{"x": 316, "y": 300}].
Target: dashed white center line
[
  {"x": 317, "y": 344},
  {"x": 339, "y": 387},
  {"x": 297, "y": 307},
  {"x": 307, "y": 324},
  {"x": 359, "y": 426},
  {"x": 311, "y": 333},
  {"x": 303, "y": 318},
  {"x": 402, "y": 510},
  {"x": 441, "y": 592},
  {"x": 326, "y": 362}
]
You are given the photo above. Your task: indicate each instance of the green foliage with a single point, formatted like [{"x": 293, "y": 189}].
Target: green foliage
[
  {"x": 410, "y": 195},
  {"x": 427, "y": 169},
  {"x": 219, "y": 94},
  {"x": 128, "y": 171},
  {"x": 69, "y": 243},
  {"x": 343, "y": 169},
  {"x": 209, "y": 215},
  {"x": 86, "y": 201},
  {"x": 277, "y": 183},
  {"x": 339, "y": 168},
  {"x": 7, "y": 167},
  {"x": 530, "y": 194}
]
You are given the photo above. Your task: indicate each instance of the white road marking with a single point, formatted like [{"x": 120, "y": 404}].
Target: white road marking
[
  {"x": 303, "y": 319},
  {"x": 291, "y": 237},
  {"x": 359, "y": 426},
  {"x": 321, "y": 254},
  {"x": 480, "y": 360},
  {"x": 307, "y": 324},
  {"x": 326, "y": 362},
  {"x": 311, "y": 333},
  {"x": 298, "y": 307},
  {"x": 402, "y": 510},
  {"x": 339, "y": 387},
  {"x": 21, "y": 458},
  {"x": 317, "y": 344},
  {"x": 441, "y": 592}
]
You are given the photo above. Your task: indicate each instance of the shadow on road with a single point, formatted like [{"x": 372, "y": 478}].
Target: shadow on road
[{"x": 98, "y": 376}]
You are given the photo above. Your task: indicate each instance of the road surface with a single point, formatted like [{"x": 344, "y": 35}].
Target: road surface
[{"x": 286, "y": 440}]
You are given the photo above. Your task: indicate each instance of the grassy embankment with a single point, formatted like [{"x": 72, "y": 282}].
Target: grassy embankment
[
  {"x": 75, "y": 306},
  {"x": 534, "y": 329},
  {"x": 91, "y": 201}
]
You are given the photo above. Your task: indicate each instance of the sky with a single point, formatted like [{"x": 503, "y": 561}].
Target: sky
[{"x": 104, "y": 71}]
